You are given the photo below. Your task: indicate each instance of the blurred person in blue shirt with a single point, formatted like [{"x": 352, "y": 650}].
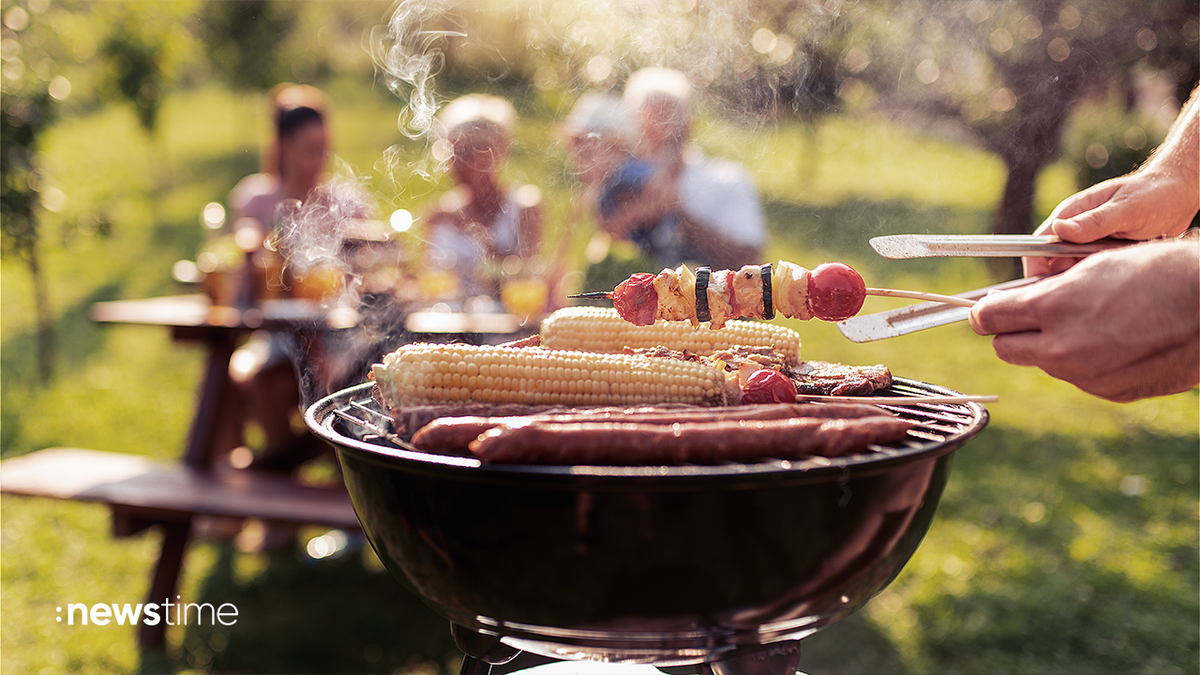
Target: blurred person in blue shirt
[{"x": 677, "y": 204}]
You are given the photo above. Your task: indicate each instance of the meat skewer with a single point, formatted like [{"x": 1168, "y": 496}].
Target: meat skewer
[{"x": 831, "y": 292}]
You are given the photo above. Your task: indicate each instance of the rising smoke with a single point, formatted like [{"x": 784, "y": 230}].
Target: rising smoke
[{"x": 576, "y": 46}]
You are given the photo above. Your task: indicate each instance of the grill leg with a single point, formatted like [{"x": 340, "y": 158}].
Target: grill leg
[
  {"x": 487, "y": 649},
  {"x": 777, "y": 658},
  {"x": 474, "y": 666}
]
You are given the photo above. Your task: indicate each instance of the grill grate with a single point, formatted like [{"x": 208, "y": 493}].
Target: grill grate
[
  {"x": 933, "y": 423},
  {"x": 369, "y": 431}
]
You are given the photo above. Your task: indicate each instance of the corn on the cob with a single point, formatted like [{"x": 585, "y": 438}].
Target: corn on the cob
[
  {"x": 420, "y": 374},
  {"x": 601, "y": 329}
]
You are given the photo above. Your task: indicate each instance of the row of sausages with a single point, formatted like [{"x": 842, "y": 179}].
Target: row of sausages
[{"x": 656, "y": 435}]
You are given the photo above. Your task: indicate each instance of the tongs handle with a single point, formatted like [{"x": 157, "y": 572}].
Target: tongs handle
[{"x": 907, "y": 246}]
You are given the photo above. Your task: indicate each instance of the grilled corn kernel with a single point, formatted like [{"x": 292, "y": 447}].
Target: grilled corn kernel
[
  {"x": 419, "y": 374},
  {"x": 601, "y": 329}
]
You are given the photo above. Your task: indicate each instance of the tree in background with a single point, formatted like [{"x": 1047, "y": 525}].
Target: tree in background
[
  {"x": 135, "y": 69},
  {"x": 29, "y": 94},
  {"x": 1009, "y": 75},
  {"x": 23, "y": 116},
  {"x": 44, "y": 43}
]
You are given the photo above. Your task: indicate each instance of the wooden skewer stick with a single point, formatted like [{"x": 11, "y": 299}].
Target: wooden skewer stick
[
  {"x": 918, "y": 295},
  {"x": 896, "y": 400},
  {"x": 890, "y": 292}
]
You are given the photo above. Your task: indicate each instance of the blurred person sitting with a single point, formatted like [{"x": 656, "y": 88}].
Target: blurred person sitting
[
  {"x": 694, "y": 208},
  {"x": 293, "y": 163},
  {"x": 293, "y": 179},
  {"x": 1123, "y": 324},
  {"x": 600, "y": 137},
  {"x": 480, "y": 223}
]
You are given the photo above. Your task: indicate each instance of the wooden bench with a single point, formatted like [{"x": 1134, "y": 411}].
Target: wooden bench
[{"x": 143, "y": 493}]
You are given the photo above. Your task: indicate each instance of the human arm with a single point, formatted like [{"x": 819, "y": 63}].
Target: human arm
[
  {"x": 715, "y": 204},
  {"x": 715, "y": 250},
  {"x": 1122, "y": 325},
  {"x": 651, "y": 202},
  {"x": 1159, "y": 199}
]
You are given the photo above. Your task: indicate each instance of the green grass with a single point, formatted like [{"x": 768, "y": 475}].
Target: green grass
[{"x": 1066, "y": 541}]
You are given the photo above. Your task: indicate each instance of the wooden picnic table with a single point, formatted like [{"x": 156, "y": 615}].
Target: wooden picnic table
[
  {"x": 470, "y": 327},
  {"x": 220, "y": 329},
  {"x": 143, "y": 493}
]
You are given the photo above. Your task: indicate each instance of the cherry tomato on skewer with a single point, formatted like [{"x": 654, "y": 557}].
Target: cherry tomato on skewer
[{"x": 835, "y": 291}]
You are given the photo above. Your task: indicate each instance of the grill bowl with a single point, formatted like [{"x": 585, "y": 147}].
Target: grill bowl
[{"x": 657, "y": 564}]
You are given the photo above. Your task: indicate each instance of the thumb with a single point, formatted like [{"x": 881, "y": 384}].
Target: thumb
[{"x": 1090, "y": 225}]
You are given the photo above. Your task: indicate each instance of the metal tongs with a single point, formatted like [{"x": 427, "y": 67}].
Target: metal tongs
[
  {"x": 905, "y": 320},
  {"x": 912, "y": 318}
]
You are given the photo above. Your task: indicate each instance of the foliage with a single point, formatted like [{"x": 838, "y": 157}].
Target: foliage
[
  {"x": 243, "y": 39},
  {"x": 22, "y": 117},
  {"x": 28, "y": 106},
  {"x": 137, "y": 75},
  {"x": 992, "y": 66}
]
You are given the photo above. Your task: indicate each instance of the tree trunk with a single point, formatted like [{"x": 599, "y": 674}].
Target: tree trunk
[
  {"x": 45, "y": 317},
  {"x": 1014, "y": 215}
]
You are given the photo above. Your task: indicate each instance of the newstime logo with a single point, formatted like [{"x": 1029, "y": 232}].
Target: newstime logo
[{"x": 150, "y": 614}]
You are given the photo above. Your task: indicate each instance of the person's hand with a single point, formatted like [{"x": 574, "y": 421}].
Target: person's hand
[
  {"x": 658, "y": 197},
  {"x": 1122, "y": 325},
  {"x": 1142, "y": 205}
]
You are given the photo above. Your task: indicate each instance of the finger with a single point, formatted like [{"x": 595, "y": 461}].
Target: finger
[
  {"x": 1084, "y": 216},
  {"x": 1084, "y": 227},
  {"x": 1003, "y": 312},
  {"x": 1089, "y": 199},
  {"x": 1036, "y": 267},
  {"x": 1039, "y": 267},
  {"x": 1102, "y": 221},
  {"x": 1084, "y": 200},
  {"x": 1020, "y": 349}
]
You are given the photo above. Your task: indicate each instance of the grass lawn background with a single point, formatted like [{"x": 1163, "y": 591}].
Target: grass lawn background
[{"x": 1066, "y": 541}]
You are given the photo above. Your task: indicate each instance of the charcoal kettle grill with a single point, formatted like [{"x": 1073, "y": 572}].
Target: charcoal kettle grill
[{"x": 712, "y": 569}]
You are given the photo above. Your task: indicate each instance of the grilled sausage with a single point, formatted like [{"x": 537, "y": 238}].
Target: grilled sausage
[
  {"x": 453, "y": 434},
  {"x": 634, "y": 444}
]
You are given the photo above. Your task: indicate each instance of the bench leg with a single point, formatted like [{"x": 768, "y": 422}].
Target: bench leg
[{"x": 166, "y": 578}]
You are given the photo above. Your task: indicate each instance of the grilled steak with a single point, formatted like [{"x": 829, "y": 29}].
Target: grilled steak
[
  {"x": 837, "y": 379},
  {"x": 729, "y": 359}
]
